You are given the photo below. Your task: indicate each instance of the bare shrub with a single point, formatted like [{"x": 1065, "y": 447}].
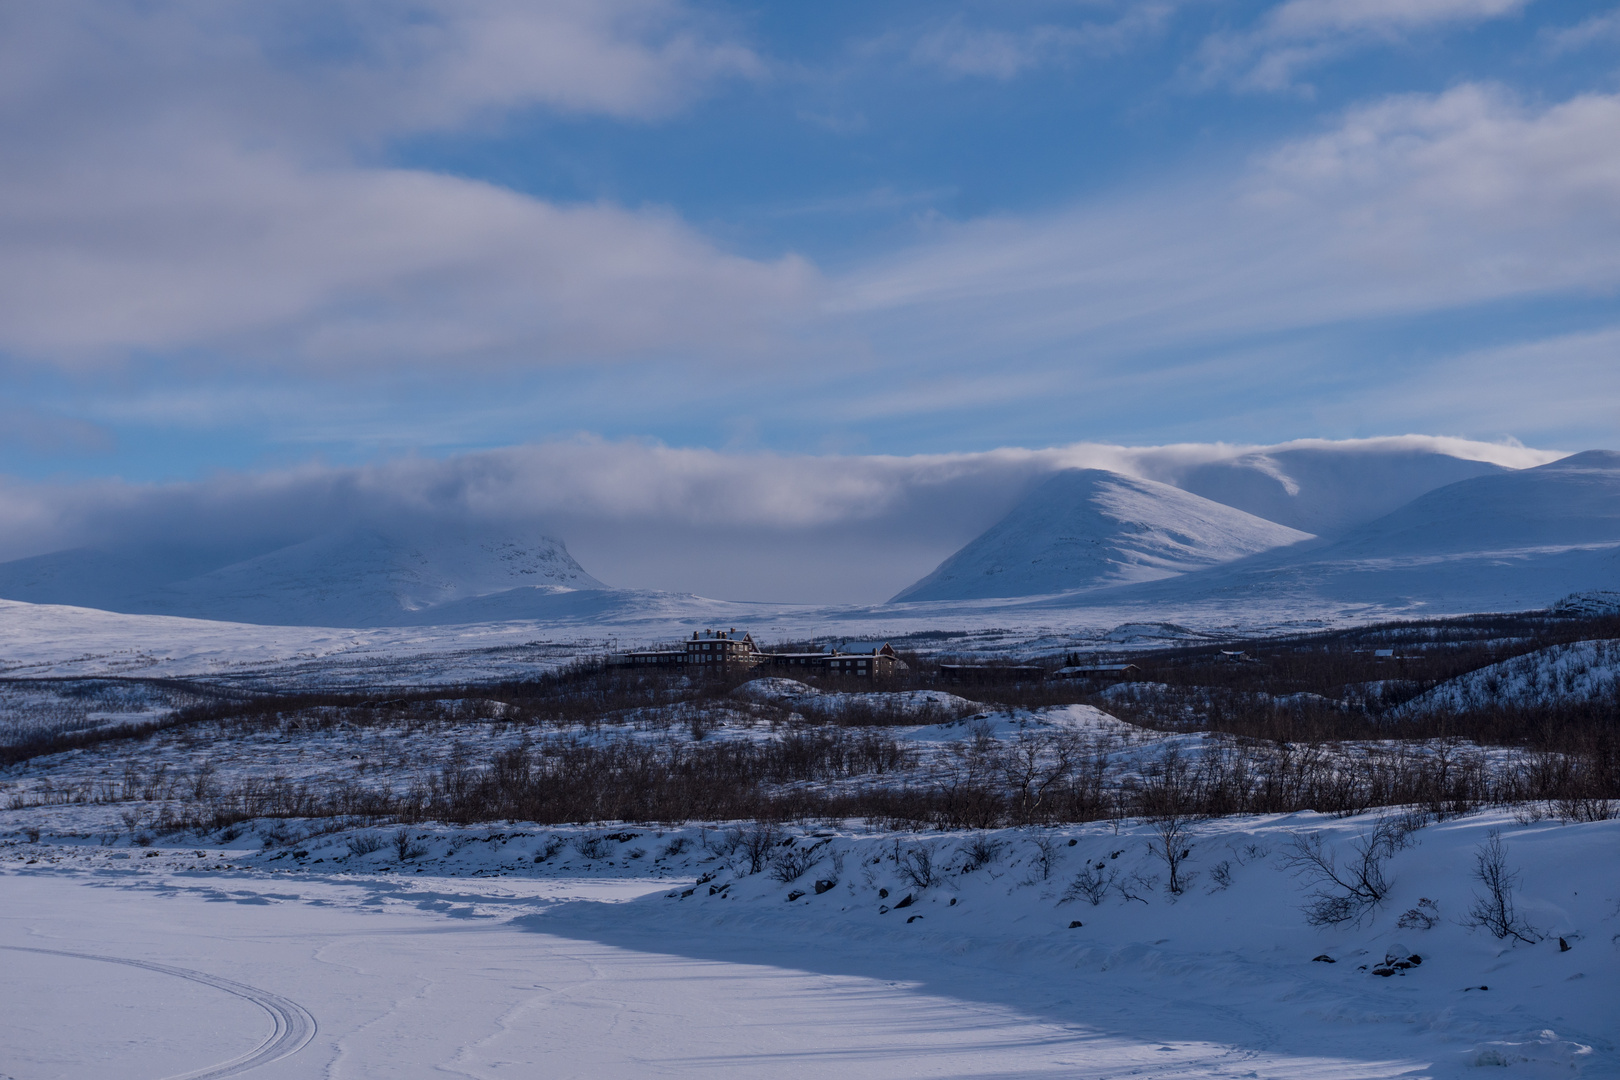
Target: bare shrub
[
  {"x": 979, "y": 852},
  {"x": 364, "y": 843},
  {"x": 755, "y": 842},
  {"x": 1221, "y": 875},
  {"x": 1172, "y": 842},
  {"x": 1135, "y": 886},
  {"x": 791, "y": 863},
  {"x": 1340, "y": 895},
  {"x": 916, "y": 866},
  {"x": 675, "y": 847},
  {"x": 1423, "y": 917},
  {"x": 1091, "y": 884},
  {"x": 405, "y": 847},
  {"x": 549, "y": 849},
  {"x": 593, "y": 846},
  {"x": 1493, "y": 909},
  {"x": 1046, "y": 855},
  {"x": 1586, "y": 809}
]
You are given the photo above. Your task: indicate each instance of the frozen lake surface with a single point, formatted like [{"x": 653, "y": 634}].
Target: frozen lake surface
[{"x": 433, "y": 974}]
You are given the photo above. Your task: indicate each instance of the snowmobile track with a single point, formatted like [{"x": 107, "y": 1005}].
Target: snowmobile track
[{"x": 294, "y": 1026}]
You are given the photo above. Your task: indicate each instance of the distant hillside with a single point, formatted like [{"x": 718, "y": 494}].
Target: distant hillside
[
  {"x": 1089, "y": 529},
  {"x": 1504, "y": 541},
  {"x": 1327, "y": 490},
  {"x": 358, "y": 577}
]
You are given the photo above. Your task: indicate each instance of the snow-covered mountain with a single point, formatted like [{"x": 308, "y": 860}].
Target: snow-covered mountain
[
  {"x": 1091, "y": 529},
  {"x": 1502, "y": 541},
  {"x": 1327, "y": 489},
  {"x": 357, "y": 577}
]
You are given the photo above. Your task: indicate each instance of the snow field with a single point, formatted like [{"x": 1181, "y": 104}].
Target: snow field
[{"x": 634, "y": 951}]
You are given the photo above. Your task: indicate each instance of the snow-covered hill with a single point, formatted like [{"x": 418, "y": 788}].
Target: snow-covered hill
[
  {"x": 1580, "y": 672},
  {"x": 1504, "y": 541},
  {"x": 1088, "y": 529},
  {"x": 1327, "y": 489},
  {"x": 357, "y": 577}
]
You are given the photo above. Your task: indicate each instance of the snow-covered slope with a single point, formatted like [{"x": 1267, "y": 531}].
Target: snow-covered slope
[
  {"x": 1582, "y": 671},
  {"x": 1505, "y": 541},
  {"x": 1088, "y": 528},
  {"x": 358, "y": 577},
  {"x": 1326, "y": 490}
]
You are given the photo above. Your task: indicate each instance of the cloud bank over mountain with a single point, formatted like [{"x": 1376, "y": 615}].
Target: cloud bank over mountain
[{"x": 827, "y": 529}]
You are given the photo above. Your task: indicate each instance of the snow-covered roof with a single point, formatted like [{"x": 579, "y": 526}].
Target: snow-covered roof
[
  {"x": 863, "y": 648},
  {"x": 722, "y": 635}
]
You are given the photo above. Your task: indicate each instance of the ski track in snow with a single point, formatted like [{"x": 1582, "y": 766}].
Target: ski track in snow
[{"x": 293, "y": 1026}]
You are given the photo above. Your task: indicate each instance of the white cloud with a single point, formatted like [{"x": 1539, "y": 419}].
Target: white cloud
[
  {"x": 1299, "y": 33},
  {"x": 989, "y": 52},
  {"x": 1599, "y": 28},
  {"x": 834, "y": 528},
  {"x": 1414, "y": 204},
  {"x": 194, "y": 176}
]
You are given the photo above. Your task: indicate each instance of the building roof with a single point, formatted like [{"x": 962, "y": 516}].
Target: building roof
[
  {"x": 722, "y": 635},
  {"x": 863, "y": 648}
]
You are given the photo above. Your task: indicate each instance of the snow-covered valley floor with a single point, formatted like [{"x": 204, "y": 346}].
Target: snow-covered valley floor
[{"x": 635, "y": 952}]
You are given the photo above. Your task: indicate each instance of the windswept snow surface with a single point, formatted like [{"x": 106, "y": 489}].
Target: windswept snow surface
[
  {"x": 665, "y": 957},
  {"x": 1583, "y": 671},
  {"x": 1089, "y": 528}
]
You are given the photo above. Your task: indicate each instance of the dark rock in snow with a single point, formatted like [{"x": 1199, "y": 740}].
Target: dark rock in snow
[
  {"x": 907, "y": 902},
  {"x": 795, "y": 894},
  {"x": 1076, "y": 924},
  {"x": 883, "y": 894},
  {"x": 1563, "y": 946},
  {"x": 824, "y": 884},
  {"x": 913, "y": 919},
  {"x": 883, "y": 909},
  {"x": 1323, "y": 959}
]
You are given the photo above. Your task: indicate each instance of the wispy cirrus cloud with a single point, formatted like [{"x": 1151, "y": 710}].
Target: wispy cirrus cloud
[
  {"x": 1416, "y": 203},
  {"x": 1598, "y": 29},
  {"x": 963, "y": 49},
  {"x": 1298, "y": 34}
]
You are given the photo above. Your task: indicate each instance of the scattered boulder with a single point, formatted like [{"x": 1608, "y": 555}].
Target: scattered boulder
[
  {"x": 913, "y": 919},
  {"x": 824, "y": 884},
  {"x": 883, "y": 894},
  {"x": 1323, "y": 959},
  {"x": 1563, "y": 946},
  {"x": 883, "y": 909},
  {"x": 907, "y": 902},
  {"x": 1076, "y": 924},
  {"x": 795, "y": 894}
]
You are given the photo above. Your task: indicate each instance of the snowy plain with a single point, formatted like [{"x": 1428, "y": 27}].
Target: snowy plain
[{"x": 662, "y": 958}]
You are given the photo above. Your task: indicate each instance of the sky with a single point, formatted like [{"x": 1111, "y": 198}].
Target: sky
[{"x": 249, "y": 240}]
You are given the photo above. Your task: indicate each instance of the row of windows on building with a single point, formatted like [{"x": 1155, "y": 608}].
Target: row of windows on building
[{"x": 730, "y": 647}]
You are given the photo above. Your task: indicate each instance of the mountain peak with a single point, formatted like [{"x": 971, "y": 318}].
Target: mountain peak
[{"x": 1089, "y": 529}]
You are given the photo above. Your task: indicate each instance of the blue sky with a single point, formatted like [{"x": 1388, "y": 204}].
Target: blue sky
[
  {"x": 250, "y": 236},
  {"x": 245, "y": 241}
]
